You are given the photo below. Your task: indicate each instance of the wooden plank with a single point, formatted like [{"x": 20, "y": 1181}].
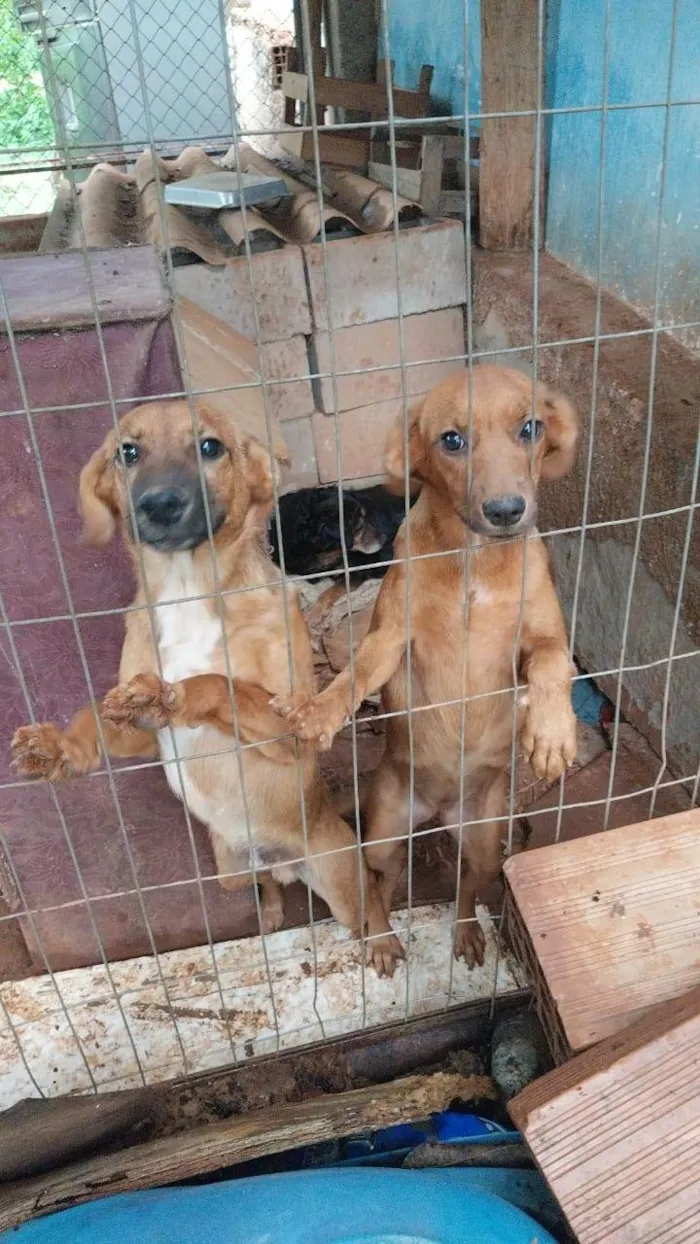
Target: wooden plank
[
  {"x": 611, "y": 922},
  {"x": 41, "y": 1135},
  {"x": 46, "y": 292},
  {"x": 333, "y": 148},
  {"x": 408, "y": 180},
  {"x": 20, "y": 235},
  {"x": 364, "y": 96},
  {"x": 509, "y": 71},
  {"x": 227, "y": 1143},
  {"x": 432, "y": 161},
  {"x": 616, "y": 1133}
]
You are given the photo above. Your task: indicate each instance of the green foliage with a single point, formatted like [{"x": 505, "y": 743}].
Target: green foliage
[{"x": 25, "y": 120}]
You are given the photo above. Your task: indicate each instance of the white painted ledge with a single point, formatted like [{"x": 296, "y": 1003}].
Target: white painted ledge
[{"x": 314, "y": 992}]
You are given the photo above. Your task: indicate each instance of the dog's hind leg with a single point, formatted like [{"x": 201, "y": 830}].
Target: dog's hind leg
[
  {"x": 481, "y": 860},
  {"x": 335, "y": 873}
]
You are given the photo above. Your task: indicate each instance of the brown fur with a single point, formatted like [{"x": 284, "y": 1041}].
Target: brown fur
[
  {"x": 447, "y": 517},
  {"x": 255, "y": 621}
]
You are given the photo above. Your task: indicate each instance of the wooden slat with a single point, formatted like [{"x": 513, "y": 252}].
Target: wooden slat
[
  {"x": 432, "y": 161},
  {"x": 613, "y": 922},
  {"x": 508, "y": 84},
  {"x": 336, "y": 148},
  {"x": 21, "y": 234},
  {"x": 408, "y": 180},
  {"x": 616, "y": 1131},
  {"x": 42, "y": 1134},
  {"x": 237, "y": 1140},
  {"x": 46, "y": 292},
  {"x": 364, "y": 96}
]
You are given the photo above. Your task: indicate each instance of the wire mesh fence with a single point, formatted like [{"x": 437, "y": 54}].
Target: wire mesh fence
[{"x": 93, "y": 85}]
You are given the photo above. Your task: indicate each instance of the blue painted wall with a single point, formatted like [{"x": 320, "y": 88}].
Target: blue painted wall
[
  {"x": 640, "y": 39},
  {"x": 424, "y": 33},
  {"x": 640, "y": 44}
]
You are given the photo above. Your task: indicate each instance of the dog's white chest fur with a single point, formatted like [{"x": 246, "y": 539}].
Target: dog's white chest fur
[{"x": 189, "y": 634}]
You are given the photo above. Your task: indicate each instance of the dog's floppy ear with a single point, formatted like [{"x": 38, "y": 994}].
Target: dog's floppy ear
[
  {"x": 96, "y": 495},
  {"x": 561, "y": 433},
  {"x": 395, "y": 454},
  {"x": 261, "y": 470}
]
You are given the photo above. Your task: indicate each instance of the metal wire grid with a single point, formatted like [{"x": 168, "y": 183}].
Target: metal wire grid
[
  {"x": 86, "y": 53},
  {"x": 668, "y": 661}
]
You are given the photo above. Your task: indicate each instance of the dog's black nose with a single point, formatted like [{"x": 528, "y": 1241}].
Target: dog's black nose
[
  {"x": 163, "y": 506},
  {"x": 504, "y": 511}
]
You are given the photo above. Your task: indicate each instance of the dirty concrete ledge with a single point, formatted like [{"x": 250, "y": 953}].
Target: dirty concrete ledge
[{"x": 503, "y": 293}]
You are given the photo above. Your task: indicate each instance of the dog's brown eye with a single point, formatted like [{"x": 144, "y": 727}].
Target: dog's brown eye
[
  {"x": 532, "y": 430},
  {"x": 210, "y": 448},
  {"x": 452, "y": 442},
  {"x": 128, "y": 453}
]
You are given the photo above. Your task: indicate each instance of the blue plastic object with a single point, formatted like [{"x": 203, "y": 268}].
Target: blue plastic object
[
  {"x": 589, "y": 704},
  {"x": 310, "y": 1207}
]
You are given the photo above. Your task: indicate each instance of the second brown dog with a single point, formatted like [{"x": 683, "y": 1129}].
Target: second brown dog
[{"x": 479, "y": 480}]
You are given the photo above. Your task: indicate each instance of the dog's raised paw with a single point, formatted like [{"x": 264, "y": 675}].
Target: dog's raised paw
[
  {"x": 144, "y": 703},
  {"x": 41, "y": 752}
]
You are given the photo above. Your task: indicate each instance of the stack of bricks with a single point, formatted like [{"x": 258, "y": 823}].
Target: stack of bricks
[{"x": 296, "y": 302}]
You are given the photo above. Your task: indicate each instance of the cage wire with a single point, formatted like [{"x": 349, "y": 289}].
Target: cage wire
[{"x": 158, "y": 92}]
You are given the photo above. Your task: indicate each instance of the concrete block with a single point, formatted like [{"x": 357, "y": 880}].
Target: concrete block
[
  {"x": 435, "y": 335},
  {"x": 303, "y": 472},
  {"x": 362, "y": 275},
  {"x": 283, "y": 359},
  {"x": 278, "y": 285},
  {"x": 363, "y": 434}
]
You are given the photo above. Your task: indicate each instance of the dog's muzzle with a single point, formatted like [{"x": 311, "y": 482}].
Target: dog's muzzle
[{"x": 170, "y": 512}]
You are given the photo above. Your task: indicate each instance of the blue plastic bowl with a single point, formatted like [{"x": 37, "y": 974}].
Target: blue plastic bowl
[{"x": 347, "y": 1206}]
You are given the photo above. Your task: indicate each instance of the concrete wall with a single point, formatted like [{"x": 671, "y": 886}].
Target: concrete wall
[
  {"x": 639, "y": 48},
  {"x": 434, "y": 35}
]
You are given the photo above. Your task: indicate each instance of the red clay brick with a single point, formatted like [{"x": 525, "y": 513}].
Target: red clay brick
[
  {"x": 299, "y": 439},
  {"x": 433, "y": 335},
  {"x": 283, "y": 359},
  {"x": 279, "y": 285},
  {"x": 363, "y": 434},
  {"x": 362, "y": 275}
]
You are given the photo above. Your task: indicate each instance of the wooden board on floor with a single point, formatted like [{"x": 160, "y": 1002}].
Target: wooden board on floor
[
  {"x": 509, "y": 74},
  {"x": 610, "y": 923},
  {"x": 237, "y": 1140},
  {"x": 615, "y": 1132}
]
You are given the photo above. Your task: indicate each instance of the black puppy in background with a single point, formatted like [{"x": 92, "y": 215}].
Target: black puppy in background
[{"x": 310, "y": 521}]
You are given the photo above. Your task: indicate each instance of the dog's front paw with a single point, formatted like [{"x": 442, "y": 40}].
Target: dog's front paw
[
  {"x": 314, "y": 719},
  {"x": 549, "y": 740},
  {"x": 42, "y": 752},
  {"x": 469, "y": 943},
  {"x": 144, "y": 703},
  {"x": 384, "y": 952}
]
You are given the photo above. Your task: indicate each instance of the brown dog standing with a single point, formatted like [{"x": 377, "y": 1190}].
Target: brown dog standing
[
  {"x": 479, "y": 484},
  {"x": 247, "y": 629}
]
